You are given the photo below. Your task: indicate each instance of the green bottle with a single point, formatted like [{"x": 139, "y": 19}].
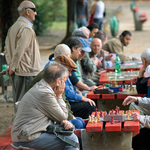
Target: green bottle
[{"x": 117, "y": 64}]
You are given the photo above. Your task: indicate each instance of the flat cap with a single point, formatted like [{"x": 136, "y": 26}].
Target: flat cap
[
  {"x": 78, "y": 32},
  {"x": 66, "y": 61}
]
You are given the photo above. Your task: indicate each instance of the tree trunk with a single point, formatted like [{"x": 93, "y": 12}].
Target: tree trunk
[{"x": 8, "y": 16}]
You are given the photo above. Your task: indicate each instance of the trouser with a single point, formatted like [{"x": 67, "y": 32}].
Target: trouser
[
  {"x": 82, "y": 109},
  {"x": 81, "y": 22},
  {"x": 99, "y": 21},
  {"x": 19, "y": 86},
  {"x": 141, "y": 141},
  {"x": 78, "y": 123},
  {"x": 47, "y": 141}
]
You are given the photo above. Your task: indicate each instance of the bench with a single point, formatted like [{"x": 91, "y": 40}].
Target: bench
[
  {"x": 139, "y": 18},
  {"x": 5, "y": 139}
]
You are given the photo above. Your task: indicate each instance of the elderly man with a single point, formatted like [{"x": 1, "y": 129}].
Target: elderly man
[
  {"x": 140, "y": 141},
  {"x": 116, "y": 45},
  {"x": 40, "y": 107},
  {"x": 106, "y": 59},
  {"x": 143, "y": 81},
  {"x": 22, "y": 50}
]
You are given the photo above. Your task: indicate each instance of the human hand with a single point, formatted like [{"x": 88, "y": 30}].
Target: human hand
[
  {"x": 108, "y": 57},
  {"x": 134, "y": 79},
  {"x": 129, "y": 100},
  {"x": 96, "y": 61},
  {"x": 92, "y": 103},
  {"x": 101, "y": 72},
  {"x": 135, "y": 116},
  {"x": 142, "y": 71},
  {"x": 67, "y": 125},
  {"x": 134, "y": 58},
  {"x": 93, "y": 88},
  {"x": 58, "y": 90}
]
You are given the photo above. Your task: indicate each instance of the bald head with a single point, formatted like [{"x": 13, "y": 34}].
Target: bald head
[
  {"x": 96, "y": 45},
  {"x": 23, "y": 5}
]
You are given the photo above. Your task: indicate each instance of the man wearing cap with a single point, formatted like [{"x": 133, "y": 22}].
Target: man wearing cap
[
  {"x": 42, "y": 106},
  {"x": 143, "y": 81},
  {"x": 78, "y": 107},
  {"x": 79, "y": 33}
]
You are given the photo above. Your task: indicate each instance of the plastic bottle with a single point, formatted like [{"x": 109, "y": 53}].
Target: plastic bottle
[
  {"x": 117, "y": 64},
  {"x": 4, "y": 67}
]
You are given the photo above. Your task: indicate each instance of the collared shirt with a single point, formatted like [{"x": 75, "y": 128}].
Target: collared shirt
[{"x": 27, "y": 20}]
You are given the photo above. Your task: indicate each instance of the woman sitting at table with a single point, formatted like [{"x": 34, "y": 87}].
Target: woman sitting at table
[{"x": 140, "y": 141}]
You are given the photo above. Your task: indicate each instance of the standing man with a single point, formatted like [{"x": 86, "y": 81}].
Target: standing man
[
  {"x": 22, "y": 50},
  {"x": 116, "y": 45}
]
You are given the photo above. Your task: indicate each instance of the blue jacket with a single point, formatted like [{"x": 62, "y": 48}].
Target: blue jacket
[{"x": 71, "y": 93}]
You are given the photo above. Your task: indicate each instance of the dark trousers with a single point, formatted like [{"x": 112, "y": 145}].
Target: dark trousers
[
  {"x": 82, "y": 109},
  {"x": 142, "y": 140}
]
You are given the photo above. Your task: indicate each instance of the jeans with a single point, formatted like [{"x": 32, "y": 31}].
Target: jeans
[
  {"x": 99, "y": 21},
  {"x": 78, "y": 123},
  {"x": 81, "y": 22},
  {"x": 47, "y": 141}
]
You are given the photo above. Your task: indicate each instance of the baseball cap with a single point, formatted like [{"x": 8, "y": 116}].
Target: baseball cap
[
  {"x": 78, "y": 32},
  {"x": 84, "y": 45},
  {"x": 66, "y": 61}
]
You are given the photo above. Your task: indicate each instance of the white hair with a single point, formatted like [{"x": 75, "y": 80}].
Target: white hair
[
  {"x": 62, "y": 49},
  {"x": 84, "y": 29},
  {"x": 21, "y": 9},
  {"x": 146, "y": 54}
]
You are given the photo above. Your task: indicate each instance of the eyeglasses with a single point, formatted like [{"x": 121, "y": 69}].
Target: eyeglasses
[{"x": 34, "y": 9}]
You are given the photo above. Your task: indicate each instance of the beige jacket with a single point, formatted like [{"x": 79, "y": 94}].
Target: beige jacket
[
  {"x": 38, "y": 108},
  {"x": 22, "y": 49}
]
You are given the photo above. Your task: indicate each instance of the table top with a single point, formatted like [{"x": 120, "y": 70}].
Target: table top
[
  {"x": 118, "y": 95},
  {"x": 124, "y": 76},
  {"x": 128, "y": 66},
  {"x": 127, "y": 125}
]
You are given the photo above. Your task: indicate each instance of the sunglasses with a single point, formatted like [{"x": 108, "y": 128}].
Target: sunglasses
[{"x": 34, "y": 9}]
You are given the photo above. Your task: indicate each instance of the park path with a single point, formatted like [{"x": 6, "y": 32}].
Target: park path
[{"x": 140, "y": 39}]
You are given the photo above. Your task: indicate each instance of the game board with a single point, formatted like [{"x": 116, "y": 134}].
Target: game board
[{"x": 115, "y": 120}]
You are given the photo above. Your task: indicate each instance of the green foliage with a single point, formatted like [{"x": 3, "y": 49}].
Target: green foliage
[{"x": 48, "y": 12}]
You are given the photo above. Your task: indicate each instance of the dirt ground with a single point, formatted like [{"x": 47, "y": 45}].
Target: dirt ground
[{"x": 140, "y": 41}]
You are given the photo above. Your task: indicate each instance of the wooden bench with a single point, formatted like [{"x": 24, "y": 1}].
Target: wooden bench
[
  {"x": 139, "y": 18},
  {"x": 5, "y": 139}
]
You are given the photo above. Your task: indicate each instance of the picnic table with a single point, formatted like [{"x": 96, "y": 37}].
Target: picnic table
[{"x": 110, "y": 100}]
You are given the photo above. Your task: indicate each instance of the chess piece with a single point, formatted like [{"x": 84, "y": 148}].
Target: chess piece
[
  {"x": 95, "y": 120},
  {"x": 122, "y": 113},
  {"x": 89, "y": 118},
  {"x": 92, "y": 118},
  {"x": 101, "y": 114},
  {"x": 96, "y": 112},
  {"x": 128, "y": 115},
  {"x": 98, "y": 118},
  {"x": 105, "y": 113},
  {"x": 112, "y": 120},
  {"x": 133, "y": 108}
]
